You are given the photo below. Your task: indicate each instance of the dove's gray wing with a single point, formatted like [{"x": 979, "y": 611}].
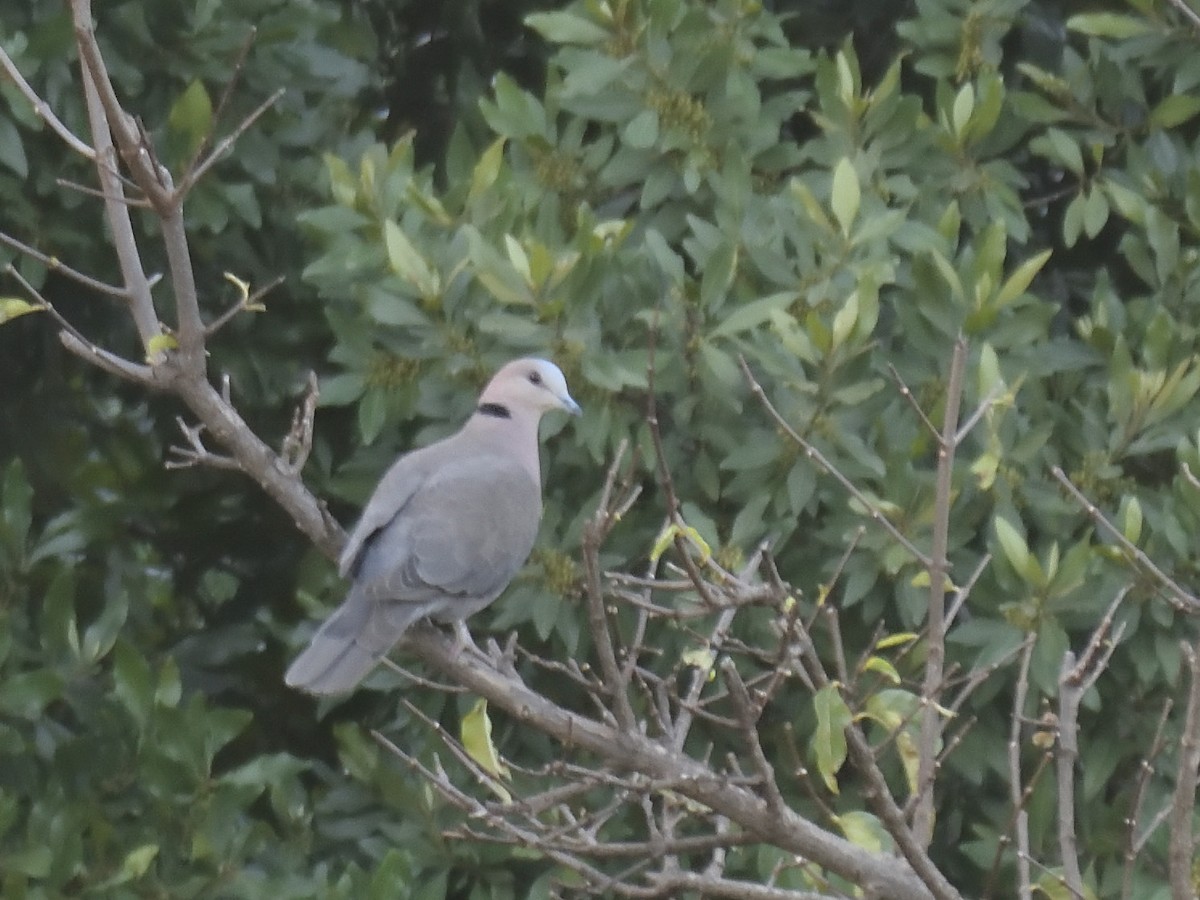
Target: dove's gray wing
[{"x": 453, "y": 544}]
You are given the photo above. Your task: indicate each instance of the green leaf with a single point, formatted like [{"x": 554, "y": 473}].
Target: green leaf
[
  {"x": 1064, "y": 149},
  {"x": 476, "y": 736},
  {"x": 25, "y": 695},
  {"x": 964, "y": 106},
  {"x": 989, "y": 371},
  {"x": 133, "y": 682},
  {"x": 342, "y": 183},
  {"x": 100, "y": 636},
  {"x": 60, "y": 631},
  {"x": 864, "y": 830},
  {"x": 137, "y": 863},
  {"x": 749, "y": 316},
  {"x": 948, "y": 273},
  {"x": 701, "y": 658},
  {"x": 1073, "y": 221},
  {"x": 1175, "y": 110},
  {"x": 566, "y": 28},
  {"x": 720, "y": 270},
  {"x": 642, "y": 130},
  {"x": 33, "y": 861},
  {"x": 159, "y": 345},
  {"x": 407, "y": 262},
  {"x": 803, "y": 195},
  {"x": 1110, "y": 25},
  {"x": 667, "y": 536},
  {"x": 895, "y": 640},
  {"x": 12, "y": 150},
  {"x": 1095, "y": 213},
  {"x": 829, "y": 739},
  {"x": 882, "y": 667},
  {"x": 1012, "y": 543},
  {"x": 846, "y": 195},
  {"x": 12, "y": 307},
  {"x": 372, "y": 413},
  {"x": 16, "y": 508},
  {"x": 341, "y": 389},
  {"x": 394, "y": 869},
  {"x": 191, "y": 115},
  {"x": 844, "y": 320},
  {"x": 1020, "y": 279},
  {"x": 484, "y": 175}
]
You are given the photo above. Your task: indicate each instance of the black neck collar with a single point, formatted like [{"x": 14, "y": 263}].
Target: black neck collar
[{"x": 495, "y": 410}]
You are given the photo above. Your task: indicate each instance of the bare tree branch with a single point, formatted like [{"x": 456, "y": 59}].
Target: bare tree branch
[
  {"x": 42, "y": 109},
  {"x": 195, "y": 453},
  {"x": 594, "y": 533},
  {"x": 137, "y": 285},
  {"x": 56, "y": 265},
  {"x": 935, "y": 659},
  {"x": 1020, "y": 815},
  {"x": 731, "y": 890},
  {"x": 297, "y": 444},
  {"x": 699, "y": 783},
  {"x": 1183, "y": 804},
  {"x": 1074, "y": 680},
  {"x": 1134, "y": 841}
]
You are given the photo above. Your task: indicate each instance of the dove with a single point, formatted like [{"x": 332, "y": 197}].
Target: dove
[{"x": 445, "y": 531}]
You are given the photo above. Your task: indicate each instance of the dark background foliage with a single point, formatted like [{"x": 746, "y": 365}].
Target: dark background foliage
[{"x": 147, "y": 744}]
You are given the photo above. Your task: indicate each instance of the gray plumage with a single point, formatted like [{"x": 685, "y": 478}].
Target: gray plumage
[{"x": 444, "y": 532}]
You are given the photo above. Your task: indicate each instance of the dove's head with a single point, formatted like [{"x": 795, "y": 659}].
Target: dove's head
[{"x": 529, "y": 385}]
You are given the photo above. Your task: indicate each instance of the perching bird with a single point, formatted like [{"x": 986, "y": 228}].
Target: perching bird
[{"x": 445, "y": 531}]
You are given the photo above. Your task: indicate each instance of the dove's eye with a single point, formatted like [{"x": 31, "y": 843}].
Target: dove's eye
[{"x": 535, "y": 377}]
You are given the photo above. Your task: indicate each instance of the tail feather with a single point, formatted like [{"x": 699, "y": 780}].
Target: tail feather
[{"x": 347, "y": 647}]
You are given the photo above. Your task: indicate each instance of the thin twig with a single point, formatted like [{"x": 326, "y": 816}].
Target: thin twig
[
  {"x": 594, "y": 533},
  {"x": 1181, "y": 599},
  {"x": 1133, "y": 843},
  {"x": 236, "y": 70},
  {"x": 1020, "y": 815},
  {"x": 297, "y": 444},
  {"x": 880, "y": 797},
  {"x": 419, "y": 680},
  {"x": 962, "y": 592},
  {"x": 908, "y": 396},
  {"x": 54, "y": 264},
  {"x": 819, "y": 458},
  {"x": 1188, "y": 13},
  {"x": 1074, "y": 680},
  {"x": 935, "y": 660},
  {"x": 748, "y": 719},
  {"x": 250, "y": 301},
  {"x": 195, "y": 453},
  {"x": 42, "y": 109},
  {"x": 76, "y": 342},
  {"x": 1183, "y": 802},
  {"x": 139, "y": 203},
  {"x": 190, "y": 179},
  {"x": 980, "y": 411}
]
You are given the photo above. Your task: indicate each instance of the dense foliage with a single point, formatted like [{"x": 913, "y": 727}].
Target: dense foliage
[{"x": 689, "y": 183}]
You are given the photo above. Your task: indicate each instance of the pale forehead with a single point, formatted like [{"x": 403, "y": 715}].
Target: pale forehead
[{"x": 544, "y": 366}]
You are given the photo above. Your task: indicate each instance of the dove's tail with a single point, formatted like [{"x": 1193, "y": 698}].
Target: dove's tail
[{"x": 346, "y": 648}]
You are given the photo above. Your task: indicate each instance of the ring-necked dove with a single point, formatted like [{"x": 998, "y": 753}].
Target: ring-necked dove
[{"x": 445, "y": 531}]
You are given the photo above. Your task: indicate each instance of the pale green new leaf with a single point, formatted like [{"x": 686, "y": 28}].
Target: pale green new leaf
[{"x": 846, "y": 195}]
